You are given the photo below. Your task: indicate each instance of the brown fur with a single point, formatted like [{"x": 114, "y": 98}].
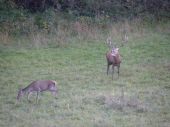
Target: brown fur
[
  {"x": 38, "y": 86},
  {"x": 114, "y": 60}
]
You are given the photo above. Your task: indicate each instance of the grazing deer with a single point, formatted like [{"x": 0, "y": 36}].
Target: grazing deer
[
  {"x": 38, "y": 86},
  {"x": 113, "y": 58}
]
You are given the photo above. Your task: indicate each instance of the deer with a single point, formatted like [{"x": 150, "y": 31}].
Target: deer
[
  {"x": 38, "y": 86},
  {"x": 113, "y": 58}
]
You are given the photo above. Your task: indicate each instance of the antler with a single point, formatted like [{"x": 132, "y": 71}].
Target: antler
[
  {"x": 110, "y": 43},
  {"x": 124, "y": 37}
]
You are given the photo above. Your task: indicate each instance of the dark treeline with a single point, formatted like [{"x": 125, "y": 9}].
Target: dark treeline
[{"x": 114, "y": 8}]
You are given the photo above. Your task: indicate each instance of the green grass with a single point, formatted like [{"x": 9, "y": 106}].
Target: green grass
[{"x": 84, "y": 87}]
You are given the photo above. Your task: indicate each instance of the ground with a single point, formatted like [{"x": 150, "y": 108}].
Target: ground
[{"x": 87, "y": 96}]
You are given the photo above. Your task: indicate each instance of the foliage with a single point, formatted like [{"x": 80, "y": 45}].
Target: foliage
[
  {"x": 114, "y": 8},
  {"x": 84, "y": 17}
]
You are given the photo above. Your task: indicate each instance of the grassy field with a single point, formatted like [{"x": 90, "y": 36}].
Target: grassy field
[{"x": 87, "y": 97}]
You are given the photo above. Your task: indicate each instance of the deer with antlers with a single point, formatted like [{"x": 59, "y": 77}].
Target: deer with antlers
[{"x": 112, "y": 57}]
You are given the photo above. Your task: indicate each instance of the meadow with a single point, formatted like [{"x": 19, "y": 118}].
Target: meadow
[{"x": 87, "y": 97}]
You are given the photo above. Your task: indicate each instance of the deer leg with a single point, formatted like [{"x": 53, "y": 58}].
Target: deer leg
[
  {"x": 112, "y": 71},
  {"x": 37, "y": 97},
  {"x": 118, "y": 67},
  {"x": 107, "y": 69},
  {"x": 28, "y": 96}
]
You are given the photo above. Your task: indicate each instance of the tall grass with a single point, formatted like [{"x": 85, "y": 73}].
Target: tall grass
[{"x": 56, "y": 29}]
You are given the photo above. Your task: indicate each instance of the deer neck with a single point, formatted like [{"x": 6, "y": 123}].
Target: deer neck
[{"x": 25, "y": 90}]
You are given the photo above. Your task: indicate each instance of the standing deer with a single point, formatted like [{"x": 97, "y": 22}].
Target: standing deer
[
  {"x": 113, "y": 58},
  {"x": 38, "y": 86}
]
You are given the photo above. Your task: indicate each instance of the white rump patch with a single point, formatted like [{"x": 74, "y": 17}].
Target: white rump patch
[{"x": 54, "y": 82}]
